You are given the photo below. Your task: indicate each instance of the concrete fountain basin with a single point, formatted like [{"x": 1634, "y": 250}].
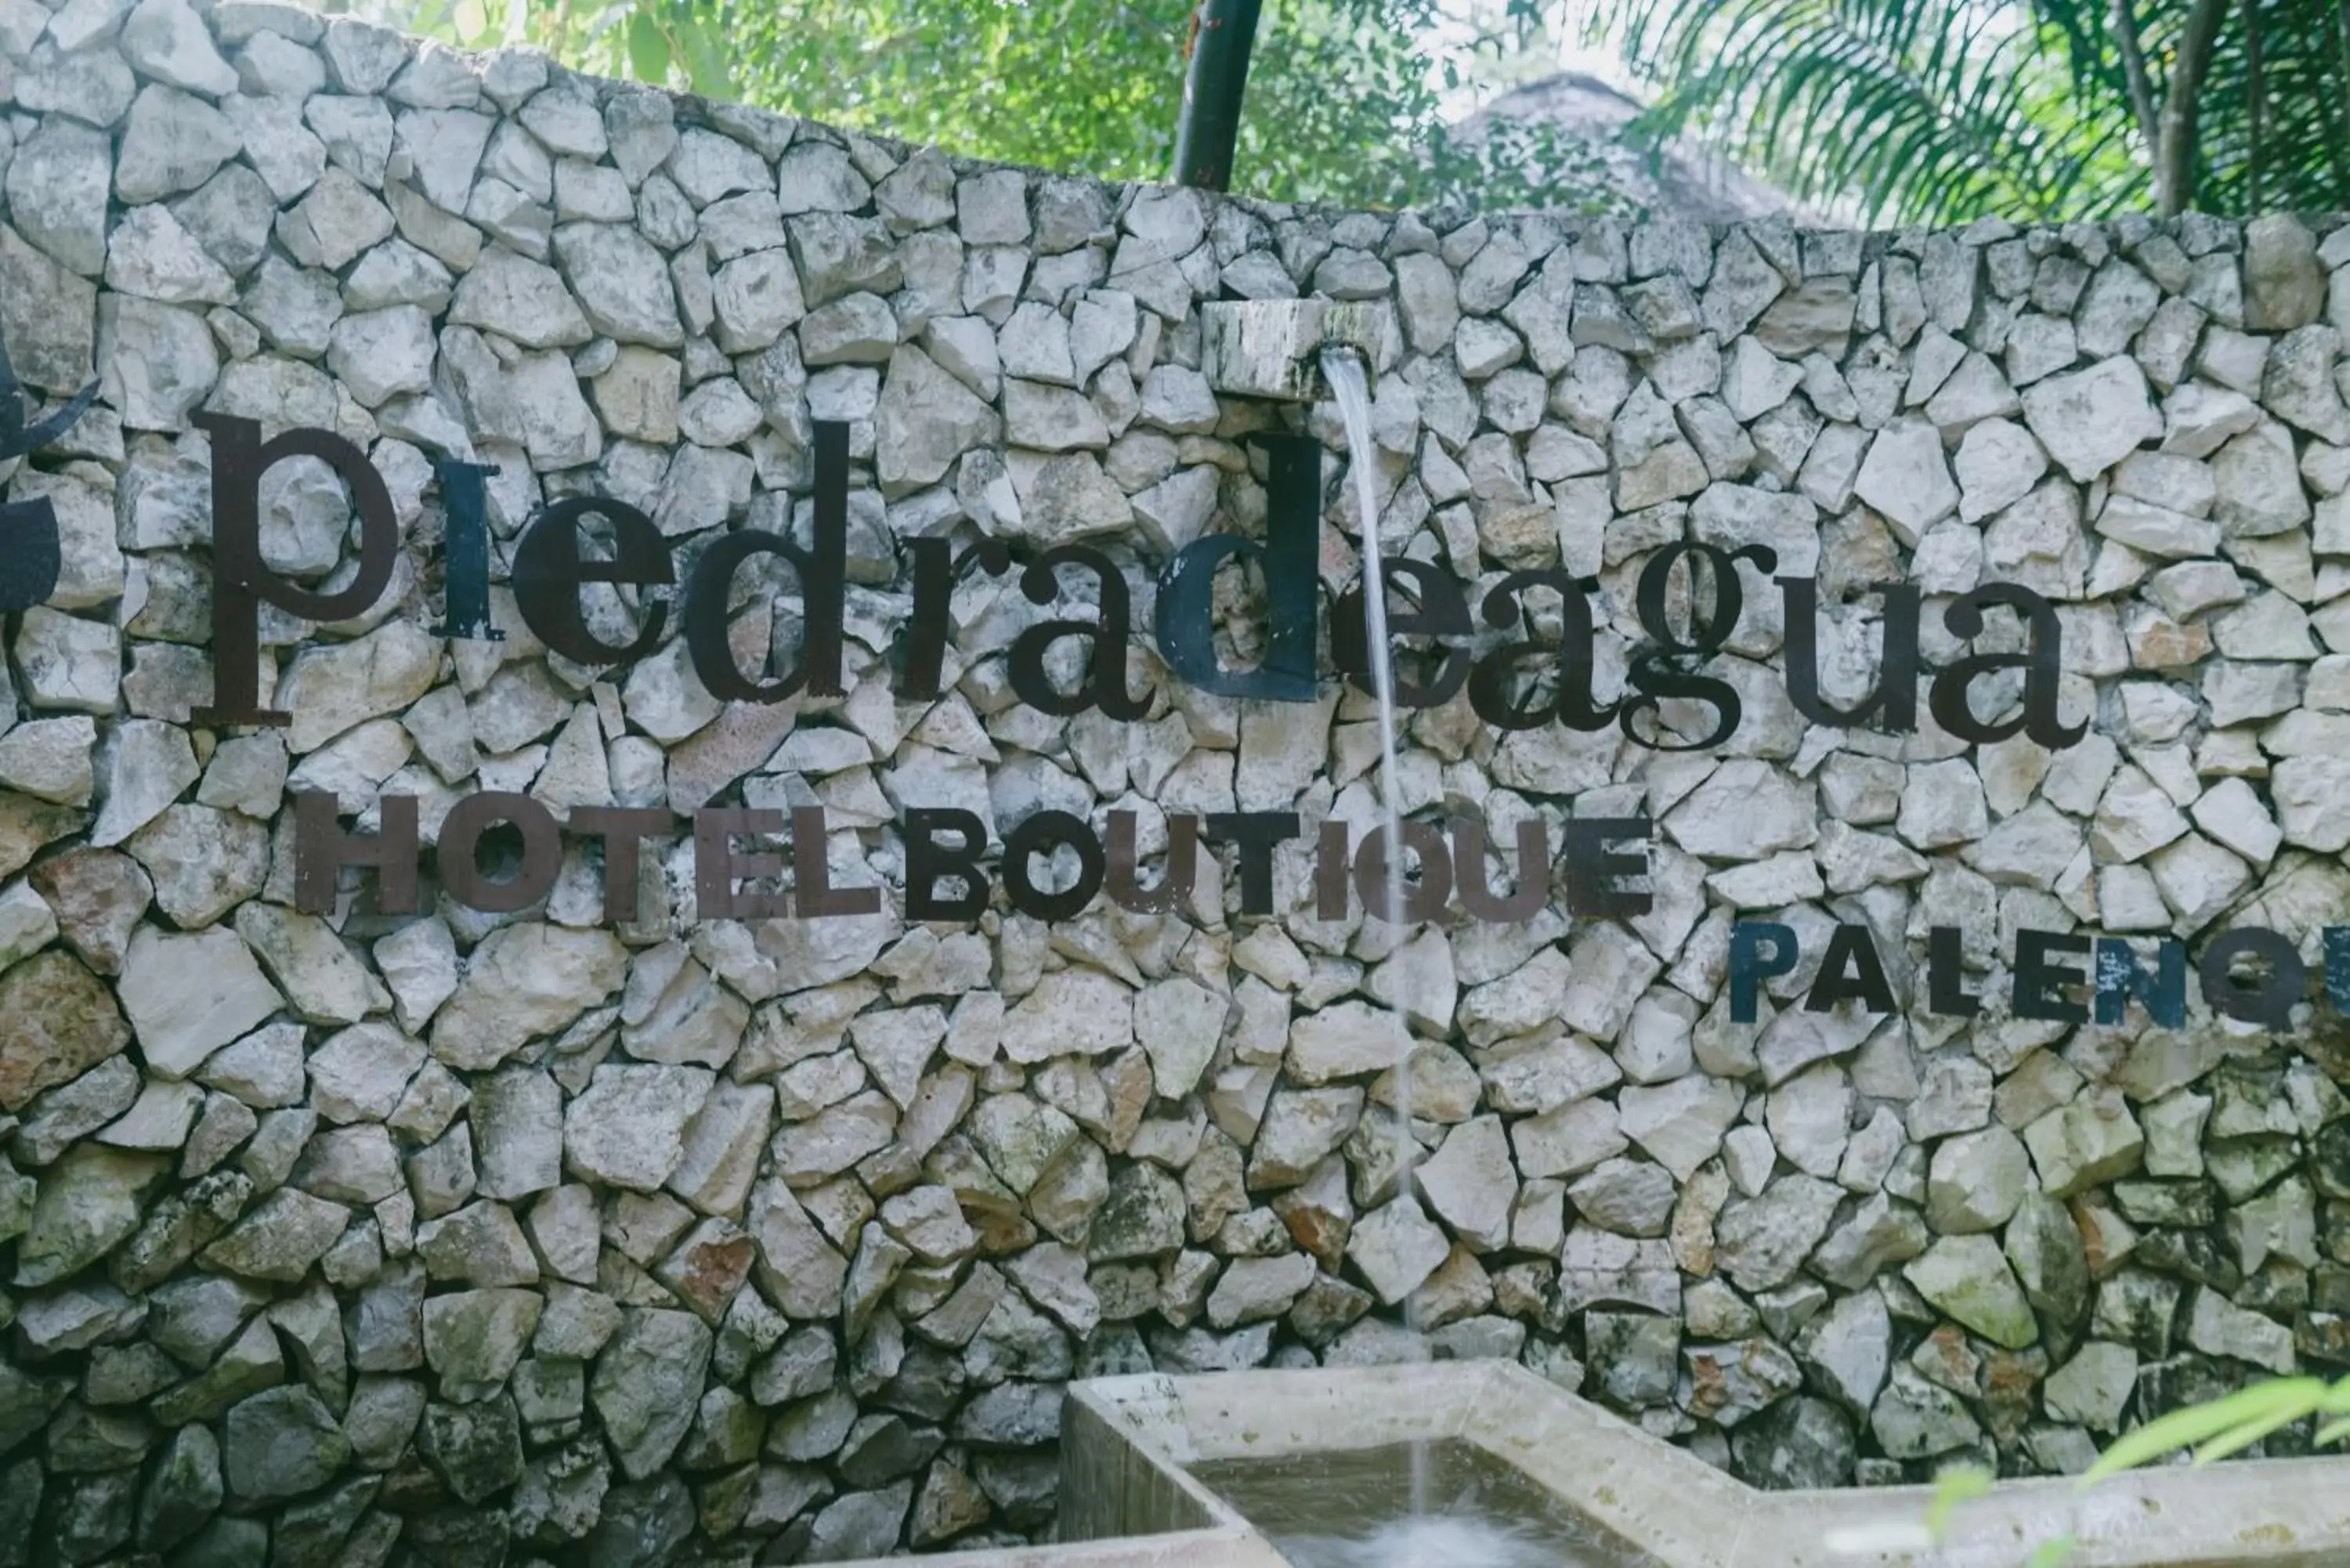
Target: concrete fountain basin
[{"x": 1130, "y": 1446}]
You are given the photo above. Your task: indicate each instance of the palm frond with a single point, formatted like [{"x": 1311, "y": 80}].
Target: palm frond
[
  {"x": 1946, "y": 110},
  {"x": 1920, "y": 111}
]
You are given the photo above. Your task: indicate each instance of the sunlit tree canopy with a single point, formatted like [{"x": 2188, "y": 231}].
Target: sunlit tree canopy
[{"x": 1895, "y": 110}]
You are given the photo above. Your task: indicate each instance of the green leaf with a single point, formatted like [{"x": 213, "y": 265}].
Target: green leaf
[
  {"x": 705, "y": 59},
  {"x": 648, "y": 52},
  {"x": 2202, "y": 1423},
  {"x": 2291, "y": 1406},
  {"x": 1950, "y": 110},
  {"x": 2053, "y": 1553},
  {"x": 1958, "y": 1484}
]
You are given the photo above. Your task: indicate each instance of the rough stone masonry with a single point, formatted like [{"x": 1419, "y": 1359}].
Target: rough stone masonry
[{"x": 474, "y": 1237}]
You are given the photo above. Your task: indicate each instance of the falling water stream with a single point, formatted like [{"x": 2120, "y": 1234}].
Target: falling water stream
[
  {"x": 1350, "y": 386},
  {"x": 1488, "y": 1517}
]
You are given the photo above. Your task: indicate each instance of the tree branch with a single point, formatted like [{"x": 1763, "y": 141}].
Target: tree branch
[
  {"x": 2255, "y": 144},
  {"x": 2341, "y": 147},
  {"x": 2174, "y": 159},
  {"x": 2141, "y": 85},
  {"x": 1222, "y": 33}
]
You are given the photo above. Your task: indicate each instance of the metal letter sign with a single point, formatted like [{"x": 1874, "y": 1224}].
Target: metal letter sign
[{"x": 29, "y": 553}]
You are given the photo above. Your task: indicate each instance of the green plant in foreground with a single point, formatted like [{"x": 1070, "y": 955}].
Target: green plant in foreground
[
  {"x": 2214, "y": 1430},
  {"x": 1962, "y": 1484}
]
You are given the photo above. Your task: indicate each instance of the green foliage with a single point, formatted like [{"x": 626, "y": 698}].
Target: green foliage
[
  {"x": 1343, "y": 100},
  {"x": 2214, "y": 1430},
  {"x": 1052, "y": 83},
  {"x": 1931, "y": 110},
  {"x": 2054, "y": 1554},
  {"x": 1962, "y": 1484},
  {"x": 2278, "y": 139},
  {"x": 1945, "y": 110},
  {"x": 1957, "y": 1484},
  {"x": 676, "y": 43},
  {"x": 2231, "y": 1424}
]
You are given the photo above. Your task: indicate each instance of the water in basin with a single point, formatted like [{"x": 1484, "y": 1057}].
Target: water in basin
[{"x": 1353, "y": 1508}]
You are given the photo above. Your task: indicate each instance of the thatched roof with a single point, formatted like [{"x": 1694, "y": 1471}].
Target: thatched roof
[{"x": 1684, "y": 181}]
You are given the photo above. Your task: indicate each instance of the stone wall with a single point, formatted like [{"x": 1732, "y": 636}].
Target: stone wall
[{"x": 377, "y": 1238}]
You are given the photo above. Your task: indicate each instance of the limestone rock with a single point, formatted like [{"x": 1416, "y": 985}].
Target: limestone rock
[
  {"x": 473, "y": 1339},
  {"x": 646, "y": 1385},
  {"x": 189, "y": 995},
  {"x": 1761, "y": 1241},
  {"x": 281, "y": 1442},
  {"x": 523, "y": 981},
  {"x": 1471, "y": 1184},
  {"x": 1396, "y": 1248},
  {"x": 1977, "y": 1180},
  {"x": 628, "y": 1129},
  {"x": 63, "y": 1022},
  {"x": 1968, "y": 1278},
  {"x": 2090, "y": 419}
]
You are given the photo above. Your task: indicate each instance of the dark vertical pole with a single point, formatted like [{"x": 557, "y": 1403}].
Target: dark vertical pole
[{"x": 1223, "y": 31}]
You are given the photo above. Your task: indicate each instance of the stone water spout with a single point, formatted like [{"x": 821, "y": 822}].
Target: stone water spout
[{"x": 1273, "y": 347}]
